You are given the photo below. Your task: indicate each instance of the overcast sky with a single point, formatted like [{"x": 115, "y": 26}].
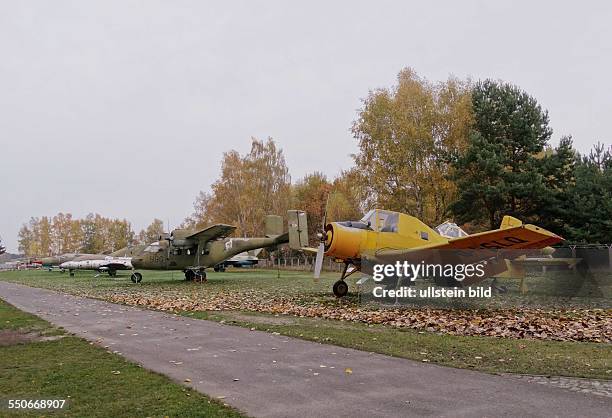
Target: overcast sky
[{"x": 124, "y": 108}]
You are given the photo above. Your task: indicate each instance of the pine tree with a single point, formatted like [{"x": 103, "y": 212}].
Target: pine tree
[
  {"x": 589, "y": 202},
  {"x": 499, "y": 172}
]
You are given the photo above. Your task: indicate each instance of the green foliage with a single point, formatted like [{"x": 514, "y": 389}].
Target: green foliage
[
  {"x": 588, "y": 202},
  {"x": 499, "y": 174}
]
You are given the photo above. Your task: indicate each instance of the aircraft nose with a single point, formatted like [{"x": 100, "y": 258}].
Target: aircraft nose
[{"x": 137, "y": 262}]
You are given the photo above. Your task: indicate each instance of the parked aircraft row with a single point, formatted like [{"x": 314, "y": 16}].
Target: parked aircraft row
[{"x": 379, "y": 237}]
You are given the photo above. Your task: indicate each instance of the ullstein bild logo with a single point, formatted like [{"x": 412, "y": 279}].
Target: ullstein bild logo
[{"x": 411, "y": 271}]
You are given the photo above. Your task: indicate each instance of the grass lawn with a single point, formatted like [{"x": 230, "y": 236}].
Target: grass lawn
[
  {"x": 38, "y": 361},
  {"x": 244, "y": 298}
]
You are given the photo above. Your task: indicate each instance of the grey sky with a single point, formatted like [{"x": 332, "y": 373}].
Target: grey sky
[{"x": 125, "y": 107}]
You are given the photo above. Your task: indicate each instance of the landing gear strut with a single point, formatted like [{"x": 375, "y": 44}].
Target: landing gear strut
[
  {"x": 136, "y": 277},
  {"x": 340, "y": 288},
  {"x": 195, "y": 275}
]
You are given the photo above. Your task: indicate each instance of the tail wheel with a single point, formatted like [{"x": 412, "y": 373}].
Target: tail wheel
[
  {"x": 136, "y": 277},
  {"x": 340, "y": 288}
]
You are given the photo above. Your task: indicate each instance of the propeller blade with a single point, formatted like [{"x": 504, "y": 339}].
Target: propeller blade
[
  {"x": 325, "y": 213},
  {"x": 319, "y": 261}
]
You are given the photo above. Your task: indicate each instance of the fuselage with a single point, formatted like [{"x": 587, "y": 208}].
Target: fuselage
[
  {"x": 162, "y": 255},
  {"x": 108, "y": 263},
  {"x": 378, "y": 229}
]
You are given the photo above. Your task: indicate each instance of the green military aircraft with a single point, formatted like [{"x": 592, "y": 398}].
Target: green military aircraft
[{"x": 192, "y": 251}]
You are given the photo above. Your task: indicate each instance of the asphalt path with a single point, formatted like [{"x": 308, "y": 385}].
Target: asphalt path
[{"x": 269, "y": 375}]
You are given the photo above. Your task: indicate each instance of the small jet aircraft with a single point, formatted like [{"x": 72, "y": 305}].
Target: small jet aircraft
[
  {"x": 383, "y": 235},
  {"x": 56, "y": 261},
  {"x": 108, "y": 265},
  {"x": 245, "y": 259},
  {"x": 192, "y": 251}
]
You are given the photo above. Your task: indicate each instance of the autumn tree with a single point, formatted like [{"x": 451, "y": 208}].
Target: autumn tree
[
  {"x": 337, "y": 200},
  {"x": 152, "y": 232},
  {"x": 250, "y": 187},
  {"x": 310, "y": 194},
  {"x": 62, "y": 233},
  {"x": 348, "y": 192},
  {"x": 405, "y": 136},
  {"x": 201, "y": 215},
  {"x": 120, "y": 234}
]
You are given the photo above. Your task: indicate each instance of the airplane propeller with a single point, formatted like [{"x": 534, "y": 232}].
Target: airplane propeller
[{"x": 321, "y": 250}]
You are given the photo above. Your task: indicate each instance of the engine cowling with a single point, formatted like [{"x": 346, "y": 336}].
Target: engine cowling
[{"x": 179, "y": 239}]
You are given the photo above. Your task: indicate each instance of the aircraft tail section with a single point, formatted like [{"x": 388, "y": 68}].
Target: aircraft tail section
[
  {"x": 510, "y": 222},
  {"x": 273, "y": 226},
  {"x": 298, "y": 229}
]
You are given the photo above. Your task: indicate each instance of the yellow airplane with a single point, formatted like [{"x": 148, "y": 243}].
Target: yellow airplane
[{"x": 383, "y": 235}]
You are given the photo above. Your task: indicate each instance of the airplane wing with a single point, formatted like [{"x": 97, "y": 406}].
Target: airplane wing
[
  {"x": 512, "y": 235},
  {"x": 212, "y": 232},
  {"x": 513, "y": 239},
  {"x": 521, "y": 237}
]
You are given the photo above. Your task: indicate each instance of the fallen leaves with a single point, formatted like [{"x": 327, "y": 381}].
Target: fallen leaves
[{"x": 593, "y": 325}]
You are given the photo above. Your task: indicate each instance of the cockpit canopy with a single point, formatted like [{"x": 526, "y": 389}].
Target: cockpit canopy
[
  {"x": 154, "y": 247},
  {"x": 382, "y": 220},
  {"x": 450, "y": 230}
]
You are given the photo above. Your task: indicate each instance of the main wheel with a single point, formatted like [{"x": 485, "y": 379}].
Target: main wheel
[
  {"x": 189, "y": 275},
  {"x": 112, "y": 273},
  {"x": 340, "y": 288},
  {"x": 200, "y": 276},
  {"x": 71, "y": 273},
  {"x": 136, "y": 277}
]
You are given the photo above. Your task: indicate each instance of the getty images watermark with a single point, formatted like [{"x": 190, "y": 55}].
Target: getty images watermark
[{"x": 403, "y": 270}]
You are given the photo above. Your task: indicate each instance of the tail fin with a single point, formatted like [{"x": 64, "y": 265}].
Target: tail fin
[
  {"x": 274, "y": 226},
  {"x": 510, "y": 222},
  {"x": 298, "y": 229}
]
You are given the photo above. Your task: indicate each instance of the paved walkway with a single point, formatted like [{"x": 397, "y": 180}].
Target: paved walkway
[{"x": 275, "y": 376}]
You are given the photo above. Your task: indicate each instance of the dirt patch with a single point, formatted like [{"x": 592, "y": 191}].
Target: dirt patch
[{"x": 15, "y": 336}]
